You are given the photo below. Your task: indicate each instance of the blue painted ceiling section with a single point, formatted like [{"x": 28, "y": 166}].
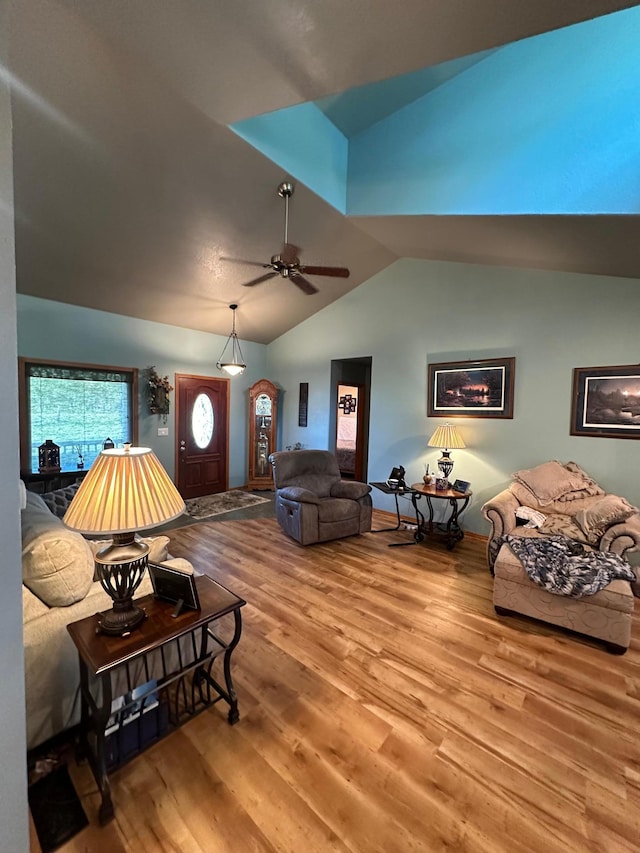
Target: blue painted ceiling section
[
  {"x": 358, "y": 109},
  {"x": 547, "y": 125},
  {"x": 307, "y": 145}
]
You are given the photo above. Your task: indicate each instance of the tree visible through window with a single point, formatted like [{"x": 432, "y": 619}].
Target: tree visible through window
[{"x": 77, "y": 407}]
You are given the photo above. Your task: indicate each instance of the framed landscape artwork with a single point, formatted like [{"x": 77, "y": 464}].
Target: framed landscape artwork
[
  {"x": 475, "y": 389},
  {"x": 606, "y": 401}
]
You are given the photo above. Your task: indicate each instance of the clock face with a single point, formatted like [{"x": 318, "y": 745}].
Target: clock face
[
  {"x": 263, "y": 405},
  {"x": 202, "y": 421}
]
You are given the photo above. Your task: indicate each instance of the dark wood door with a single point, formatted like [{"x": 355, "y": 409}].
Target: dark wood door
[{"x": 202, "y": 453}]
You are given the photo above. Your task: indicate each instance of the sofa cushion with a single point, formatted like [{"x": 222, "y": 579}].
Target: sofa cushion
[
  {"x": 59, "y": 500},
  {"x": 608, "y": 510},
  {"x": 32, "y": 607},
  {"x": 563, "y": 525},
  {"x": 57, "y": 563},
  {"x": 180, "y": 565},
  {"x": 547, "y": 482},
  {"x": 590, "y": 488},
  {"x": 337, "y": 509}
]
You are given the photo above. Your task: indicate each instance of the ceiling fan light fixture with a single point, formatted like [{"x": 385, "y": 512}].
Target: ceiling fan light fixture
[
  {"x": 287, "y": 264},
  {"x": 234, "y": 364}
]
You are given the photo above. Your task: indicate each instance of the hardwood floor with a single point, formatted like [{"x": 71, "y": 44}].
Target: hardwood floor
[{"x": 384, "y": 707}]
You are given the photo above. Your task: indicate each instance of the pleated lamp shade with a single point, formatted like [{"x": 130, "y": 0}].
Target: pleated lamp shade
[
  {"x": 126, "y": 490},
  {"x": 446, "y": 437}
]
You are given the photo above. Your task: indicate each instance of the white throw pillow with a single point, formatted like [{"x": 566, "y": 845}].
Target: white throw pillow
[{"x": 532, "y": 516}]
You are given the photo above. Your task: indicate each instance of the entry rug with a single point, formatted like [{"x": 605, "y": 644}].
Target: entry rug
[
  {"x": 56, "y": 809},
  {"x": 211, "y": 505}
]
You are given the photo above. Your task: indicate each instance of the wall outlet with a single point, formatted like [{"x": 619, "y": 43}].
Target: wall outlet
[{"x": 163, "y": 430}]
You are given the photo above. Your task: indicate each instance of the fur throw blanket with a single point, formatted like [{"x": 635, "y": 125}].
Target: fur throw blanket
[{"x": 563, "y": 567}]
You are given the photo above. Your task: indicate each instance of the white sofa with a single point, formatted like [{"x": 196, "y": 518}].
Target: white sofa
[{"x": 58, "y": 588}]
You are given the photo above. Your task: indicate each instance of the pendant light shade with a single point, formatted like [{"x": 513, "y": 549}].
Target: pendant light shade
[{"x": 231, "y": 359}]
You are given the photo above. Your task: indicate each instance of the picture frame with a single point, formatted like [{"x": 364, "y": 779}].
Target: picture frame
[
  {"x": 461, "y": 486},
  {"x": 472, "y": 389},
  {"x": 174, "y": 586},
  {"x": 605, "y": 401},
  {"x": 303, "y": 404}
]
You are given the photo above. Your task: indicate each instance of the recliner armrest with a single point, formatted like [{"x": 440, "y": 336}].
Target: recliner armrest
[
  {"x": 297, "y": 493},
  {"x": 351, "y": 489}
]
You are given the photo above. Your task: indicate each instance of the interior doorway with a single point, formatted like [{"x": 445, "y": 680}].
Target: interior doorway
[
  {"x": 351, "y": 383},
  {"x": 202, "y": 429}
]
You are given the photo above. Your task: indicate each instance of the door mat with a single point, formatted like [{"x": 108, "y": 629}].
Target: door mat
[
  {"x": 210, "y": 505},
  {"x": 56, "y": 809}
]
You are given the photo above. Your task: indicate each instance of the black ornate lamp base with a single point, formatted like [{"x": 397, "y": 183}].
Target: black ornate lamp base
[
  {"x": 122, "y": 619},
  {"x": 121, "y": 567},
  {"x": 445, "y": 464}
]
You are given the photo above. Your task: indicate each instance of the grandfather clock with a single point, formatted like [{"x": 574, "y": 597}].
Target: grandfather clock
[{"x": 263, "y": 417}]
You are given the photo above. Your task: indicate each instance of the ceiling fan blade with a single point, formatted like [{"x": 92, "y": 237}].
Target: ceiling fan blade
[
  {"x": 304, "y": 285},
  {"x": 247, "y": 263},
  {"x": 289, "y": 253},
  {"x": 336, "y": 272},
  {"x": 260, "y": 279}
]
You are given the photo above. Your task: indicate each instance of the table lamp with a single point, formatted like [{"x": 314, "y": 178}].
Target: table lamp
[
  {"x": 446, "y": 438},
  {"x": 126, "y": 490}
]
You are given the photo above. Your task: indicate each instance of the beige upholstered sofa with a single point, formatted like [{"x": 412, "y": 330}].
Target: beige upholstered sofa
[
  {"x": 313, "y": 503},
  {"x": 563, "y": 499},
  {"x": 573, "y": 505},
  {"x": 58, "y": 588}
]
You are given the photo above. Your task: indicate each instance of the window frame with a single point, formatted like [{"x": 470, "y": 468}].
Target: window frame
[{"x": 24, "y": 407}]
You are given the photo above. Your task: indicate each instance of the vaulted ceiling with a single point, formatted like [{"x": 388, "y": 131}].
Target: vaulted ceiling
[{"x": 133, "y": 193}]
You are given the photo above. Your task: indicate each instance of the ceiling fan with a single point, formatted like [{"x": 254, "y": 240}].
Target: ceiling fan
[{"x": 287, "y": 263}]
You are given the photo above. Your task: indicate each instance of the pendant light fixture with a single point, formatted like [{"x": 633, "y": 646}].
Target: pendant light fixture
[{"x": 234, "y": 363}]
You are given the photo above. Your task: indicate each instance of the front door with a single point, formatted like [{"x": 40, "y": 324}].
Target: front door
[{"x": 202, "y": 418}]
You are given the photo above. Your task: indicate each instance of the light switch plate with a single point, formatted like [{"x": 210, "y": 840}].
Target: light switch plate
[{"x": 163, "y": 430}]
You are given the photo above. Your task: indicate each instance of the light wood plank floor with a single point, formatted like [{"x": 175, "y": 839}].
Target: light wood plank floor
[{"x": 385, "y": 707}]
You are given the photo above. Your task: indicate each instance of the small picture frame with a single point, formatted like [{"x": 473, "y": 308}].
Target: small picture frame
[
  {"x": 172, "y": 585},
  {"x": 461, "y": 486}
]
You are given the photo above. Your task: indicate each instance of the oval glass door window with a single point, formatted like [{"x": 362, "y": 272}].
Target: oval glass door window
[{"x": 202, "y": 421}]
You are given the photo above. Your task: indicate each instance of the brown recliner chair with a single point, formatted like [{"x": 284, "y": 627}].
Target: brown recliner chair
[{"x": 313, "y": 504}]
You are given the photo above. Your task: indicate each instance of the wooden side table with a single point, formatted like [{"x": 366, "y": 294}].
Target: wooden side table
[
  {"x": 172, "y": 658},
  {"x": 450, "y": 530}
]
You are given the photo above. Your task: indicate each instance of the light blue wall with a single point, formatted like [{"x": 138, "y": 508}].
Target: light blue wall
[
  {"x": 549, "y": 124},
  {"x": 417, "y": 312},
  {"x": 13, "y": 768},
  {"x": 53, "y": 330},
  {"x": 411, "y": 314}
]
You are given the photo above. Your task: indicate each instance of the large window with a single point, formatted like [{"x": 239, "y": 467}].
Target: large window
[{"x": 77, "y": 406}]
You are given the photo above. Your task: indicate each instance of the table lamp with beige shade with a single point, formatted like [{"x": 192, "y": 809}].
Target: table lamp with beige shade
[
  {"x": 126, "y": 490},
  {"x": 447, "y": 438}
]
